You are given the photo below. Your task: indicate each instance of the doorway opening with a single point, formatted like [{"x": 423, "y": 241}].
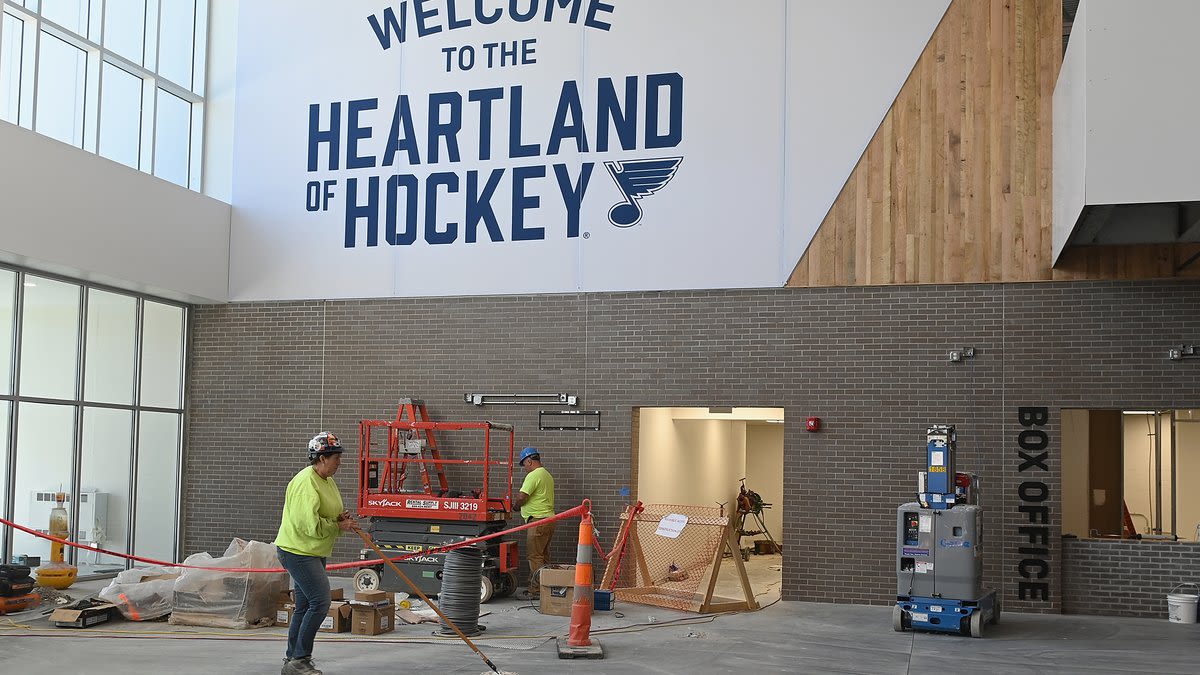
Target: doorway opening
[{"x": 730, "y": 459}]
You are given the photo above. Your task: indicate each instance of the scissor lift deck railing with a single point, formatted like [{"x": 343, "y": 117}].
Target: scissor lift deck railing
[
  {"x": 423, "y": 517},
  {"x": 383, "y": 472}
]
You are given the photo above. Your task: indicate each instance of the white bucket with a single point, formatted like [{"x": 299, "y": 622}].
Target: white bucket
[{"x": 1181, "y": 607}]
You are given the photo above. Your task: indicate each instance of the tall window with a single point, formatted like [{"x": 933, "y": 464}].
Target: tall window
[
  {"x": 91, "y": 405},
  {"x": 121, "y": 78}
]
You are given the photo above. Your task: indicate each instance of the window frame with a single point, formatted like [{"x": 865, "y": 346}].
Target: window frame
[
  {"x": 96, "y": 55},
  {"x": 79, "y": 403}
]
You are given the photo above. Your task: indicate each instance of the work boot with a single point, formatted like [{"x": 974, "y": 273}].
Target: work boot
[{"x": 302, "y": 666}]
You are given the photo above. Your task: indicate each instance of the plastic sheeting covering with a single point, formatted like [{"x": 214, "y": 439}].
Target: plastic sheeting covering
[
  {"x": 143, "y": 594},
  {"x": 230, "y": 599}
]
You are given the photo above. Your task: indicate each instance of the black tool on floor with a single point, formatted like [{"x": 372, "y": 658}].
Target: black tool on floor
[{"x": 14, "y": 581}]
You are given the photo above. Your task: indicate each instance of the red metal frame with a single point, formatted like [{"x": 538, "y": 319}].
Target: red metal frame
[
  {"x": 387, "y": 500},
  {"x": 508, "y": 556}
]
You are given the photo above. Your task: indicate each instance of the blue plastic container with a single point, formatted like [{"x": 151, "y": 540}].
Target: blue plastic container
[{"x": 603, "y": 600}]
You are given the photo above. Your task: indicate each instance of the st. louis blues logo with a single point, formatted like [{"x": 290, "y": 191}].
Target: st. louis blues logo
[{"x": 636, "y": 179}]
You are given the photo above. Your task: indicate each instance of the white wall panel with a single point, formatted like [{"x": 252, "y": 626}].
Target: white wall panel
[
  {"x": 507, "y": 266},
  {"x": 71, "y": 212},
  {"x": 846, "y": 62},
  {"x": 1124, "y": 118},
  {"x": 716, "y": 224},
  {"x": 291, "y": 55},
  {"x": 1070, "y": 133},
  {"x": 1141, "y": 105},
  {"x": 774, "y": 98}
]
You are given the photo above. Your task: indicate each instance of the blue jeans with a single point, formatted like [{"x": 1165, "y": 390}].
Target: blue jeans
[{"x": 312, "y": 601}]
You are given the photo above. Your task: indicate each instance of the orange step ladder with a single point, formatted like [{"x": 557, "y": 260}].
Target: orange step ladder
[{"x": 401, "y": 456}]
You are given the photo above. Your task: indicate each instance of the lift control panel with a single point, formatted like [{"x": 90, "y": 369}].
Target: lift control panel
[{"x": 912, "y": 521}]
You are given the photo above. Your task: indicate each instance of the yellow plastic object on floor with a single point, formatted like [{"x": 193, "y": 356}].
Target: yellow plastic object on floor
[
  {"x": 60, "y": 526},
  {"x": 56, "y": 575}
]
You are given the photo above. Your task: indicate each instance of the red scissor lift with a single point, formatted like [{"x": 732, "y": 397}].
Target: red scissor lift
[{"x": 403, "y": 489}]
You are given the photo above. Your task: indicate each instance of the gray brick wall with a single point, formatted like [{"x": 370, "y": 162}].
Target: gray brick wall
[
  {"x": 872, "y": 362},
  {"x": 1126, "y": 578}
]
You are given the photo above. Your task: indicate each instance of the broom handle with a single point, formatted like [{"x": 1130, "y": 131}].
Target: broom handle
[{"x": 370, "y": 542}]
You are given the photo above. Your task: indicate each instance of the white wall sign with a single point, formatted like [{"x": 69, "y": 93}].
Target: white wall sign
[
  {"x": 671, "y": 525},
  {"x": 447, "y": 147}
]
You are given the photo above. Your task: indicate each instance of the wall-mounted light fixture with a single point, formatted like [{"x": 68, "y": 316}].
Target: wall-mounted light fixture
[
  {"x": 519, "y": 399},
  {"x": 1181, "y": 352},
  {"x": 957, "y": 355}
]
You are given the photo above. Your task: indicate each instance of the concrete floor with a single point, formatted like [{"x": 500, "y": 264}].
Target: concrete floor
[{"x": 791, "y": 637}]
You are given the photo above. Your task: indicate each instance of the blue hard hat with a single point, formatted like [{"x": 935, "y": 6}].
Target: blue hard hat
[{"x": 527, "y": 453}]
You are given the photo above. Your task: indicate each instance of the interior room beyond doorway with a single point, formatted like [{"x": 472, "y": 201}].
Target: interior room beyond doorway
[
  {"x": 700, "y": 456},
  {"x": 1126, "y": 473}
]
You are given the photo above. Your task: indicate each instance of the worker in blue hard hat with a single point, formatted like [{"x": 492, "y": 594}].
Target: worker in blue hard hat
[{"x": 536, "y": 500}]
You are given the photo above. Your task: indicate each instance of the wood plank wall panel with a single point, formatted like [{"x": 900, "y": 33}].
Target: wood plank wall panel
[{"x": 955, "y": 187}]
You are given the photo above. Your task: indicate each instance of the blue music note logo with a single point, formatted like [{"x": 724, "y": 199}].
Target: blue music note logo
[{"x": 636, "y": 179}]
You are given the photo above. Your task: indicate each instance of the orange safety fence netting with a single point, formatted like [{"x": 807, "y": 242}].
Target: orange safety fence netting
[{"x": 667, "y": 567}]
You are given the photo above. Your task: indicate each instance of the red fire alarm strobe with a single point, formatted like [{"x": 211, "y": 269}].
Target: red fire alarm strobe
[{"x": 812, "y": 424}]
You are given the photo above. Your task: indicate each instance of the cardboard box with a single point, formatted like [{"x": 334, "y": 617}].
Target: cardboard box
[
  {"x": 290, "y": 595},
  {"x": 558, "y": 589},
  {"x": 73, "y": 617},
  {"x": 373, "y": 597},
  {"x": 283, "y": 614},
  {"x": 373, "y": 620},
  {"x": 286, "y": 607},
  {"x": 338, "y": 619},
  {"x": 418, "y": 616}
]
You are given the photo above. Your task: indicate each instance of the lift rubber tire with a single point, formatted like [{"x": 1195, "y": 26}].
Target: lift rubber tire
[
  {"x": 486, "y": 589},
  {"x": 898, "y": 619},
  {"x": 507, "y": 585},
  {"x": 996, "y": 614},
  {"x": 977, "y": 625},
  {"x": 366, "y": 579}
]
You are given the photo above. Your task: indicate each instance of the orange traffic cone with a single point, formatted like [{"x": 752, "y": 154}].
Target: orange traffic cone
[{"x": 579, "y": 643}]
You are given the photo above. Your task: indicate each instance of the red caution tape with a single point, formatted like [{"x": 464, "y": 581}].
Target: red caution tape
[{"x": 338, "y": 566}]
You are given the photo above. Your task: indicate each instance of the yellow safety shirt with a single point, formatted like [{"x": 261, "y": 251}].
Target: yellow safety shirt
[
  {"x": 539, "y": 485},
  {"x": 310, "y": 510}
]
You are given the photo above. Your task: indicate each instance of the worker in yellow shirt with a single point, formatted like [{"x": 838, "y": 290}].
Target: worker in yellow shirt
[
  {"x": 313, "y": 517},
  {"x": 536, "y": 500}
]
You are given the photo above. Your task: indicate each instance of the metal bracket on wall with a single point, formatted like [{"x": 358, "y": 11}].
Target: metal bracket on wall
[
  {"x": 957, "y": 355},
  {"x": 519, "y": 399},
  {"x": 1181, "y": 352},
  {"x": 568, "y": 420}
]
